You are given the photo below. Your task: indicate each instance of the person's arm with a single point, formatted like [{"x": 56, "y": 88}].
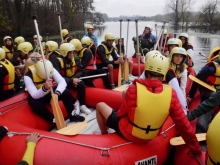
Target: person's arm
[
  {"x": 114, "y": 55},
  {"x": 31, "y": 145},
  {"x": 127, "y": 101},
  {"x": 175, "y": 85},
  {"x": 205, "y": 106},
  {"x": 190, "y": 52},
  {"x": 96, "y": 40},
  {"x": 183, "y": 82},
  {"x": 32, "y": 90},
  {"x": 79, "y": 72},
  {"x": 87, "y": 56},
  {"x": 14, "y": 59},
  {"x": 102, "y": 55},
  {"x": 61, "y": 83},
  {"x": 183, "y": 125},
  {"x": 3, "y": 131}
]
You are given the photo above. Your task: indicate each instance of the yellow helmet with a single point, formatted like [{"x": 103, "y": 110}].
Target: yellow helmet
[
  {"x": 157, "y": 63},
  {"x": 65, "y": 48},
  {"x": 117, "y": 40},
  {"x": 40, "y": 70},
  {"x": 174, "y": 41},
  {"x": 19, "y": 40},
  {"x": 184, "y": 35},
  {"x": 178, "y": 50},
  {"x": 2, "y": 54},
  {"x": 64, "y": 32},
  {"x": 35, "y": 36},
  {"x": 109, "y": 36},
  {"x": 86, "y": 41},
  {"x": 165, "y": 31},
  {"x": 77, "y": 44},
  {"x": 25, "y": 47},
  {"x": 52, "y": 45},
  {"x": 90, "y": 27},
  {"x": 7, "y": 37}
]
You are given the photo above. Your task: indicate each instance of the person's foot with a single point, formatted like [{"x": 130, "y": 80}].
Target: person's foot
[
  {"x": 113, "y": 86},
  {"x": 131, "y": 77},
  {"x": 77, "y": 107},
  {"x": 85, "y": 110},
  {"x": 76, "y": 118}
]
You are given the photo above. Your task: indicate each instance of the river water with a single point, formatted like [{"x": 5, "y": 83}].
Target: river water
[{"x": 203, "y": 43}]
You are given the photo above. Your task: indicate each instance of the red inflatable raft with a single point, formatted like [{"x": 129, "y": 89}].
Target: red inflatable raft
[{"x": 56, "y": 149}]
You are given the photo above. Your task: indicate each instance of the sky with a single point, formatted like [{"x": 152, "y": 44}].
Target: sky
[{"x": 115, "y": 8}]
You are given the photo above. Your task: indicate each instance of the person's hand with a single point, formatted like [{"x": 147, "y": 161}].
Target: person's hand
[
  {"x": 121, "y": 60},
  {"x": 48, "y": 84},
  {"x": 76, "y": 81},
  {"x": 34, "y": 137},
  {"x": 138, "y": 55}
]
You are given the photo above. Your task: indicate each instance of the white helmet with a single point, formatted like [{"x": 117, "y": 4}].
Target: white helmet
[
  {"x": 41, "y": 70},
  {"x": 148, "y": 26}
]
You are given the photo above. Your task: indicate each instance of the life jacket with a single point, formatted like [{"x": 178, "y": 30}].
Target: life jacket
[
  {"x": 37, "y": 80},
  {"x": 117, "y": 50},
  {"x": 212, "y": 140},
  {"x": 90, "y": 66},
  {"x": 214, "y": 53},
  {"x": 177, "y": 72},
  {"x": 214, "y": 79},
  {"x": 149, "y": 116},
  {"x": 107, "y": 53},
  {"x": 48, "y": 55},
  {"x": 8, "y": 82},
  {"x": 8, "y": 54},
  {"x": 68, "y": 71}
]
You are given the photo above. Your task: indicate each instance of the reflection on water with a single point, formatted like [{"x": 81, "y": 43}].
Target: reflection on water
[{"x": 201, "y": 44}]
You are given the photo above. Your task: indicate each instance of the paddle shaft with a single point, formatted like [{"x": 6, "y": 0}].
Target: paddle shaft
[
  {"x": 61, "y": 35},
  {"x": 156, "y": 30},
  {"x": 98, "y": 75},
  {"x": 203, "y": 55},
  {"x": 119, "y": 42},
  {"x": 127, "y": 36},
  {"x": 168, "y": 29},
  {"x": 161, "y": 35},
  {"x": 158, "y": 39},
  {"x": 139, "y": 70}
]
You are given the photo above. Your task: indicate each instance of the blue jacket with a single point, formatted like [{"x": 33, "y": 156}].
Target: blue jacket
[{"x": 93, "y": 37}]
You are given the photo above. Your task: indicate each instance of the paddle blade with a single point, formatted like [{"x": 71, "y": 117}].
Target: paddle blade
[
  {"x": 179, "y": 140},
  {"x": 202, "y": 83},
  {"x": 119, "y": 75},
  {"x": 121, "y": 88},
  {"x": 60, "y": 123},
  {"x": 126, "y": 70},
  {"x": 73, "y": 129}
]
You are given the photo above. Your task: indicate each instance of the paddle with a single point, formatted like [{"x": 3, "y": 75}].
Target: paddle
[
  {"x": 165, "y": 42},
  {"x": 126, "y": 63},
  {"x": 158, "y": 39},
  {"x": 61, "y": 35},
  {"x": 60, "y": 123},
  {"x": 202, "y": 83},
  {"x": 139, "y": 69},
  {"x": 203, "y": 55},
  {"x": 93, "y": 76},
  {"x": 74, "y": 128},
  {"x": 179, "y": 140},
  {"x": 156, "y": 29},
  {"x": 119, "y": 42},
  {"x": 121, "y": 88}
]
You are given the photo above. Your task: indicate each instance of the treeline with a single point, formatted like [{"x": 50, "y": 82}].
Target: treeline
[
  {"x": 15, "y": 16},
  {"x": 182, "y": 17}
]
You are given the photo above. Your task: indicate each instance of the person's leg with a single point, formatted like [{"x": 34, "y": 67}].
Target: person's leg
[
  {"x": 111, "y": 73},
  {"x": 39, "y": 107},
  {"x": 131, "y": 64},
  {"x": 103, "y": 111}
]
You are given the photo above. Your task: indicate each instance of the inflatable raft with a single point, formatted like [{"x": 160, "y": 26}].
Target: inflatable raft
[{"x": 56, "y": 149}]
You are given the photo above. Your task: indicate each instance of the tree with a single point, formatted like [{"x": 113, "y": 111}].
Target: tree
[{"x": 179, "y": 10}]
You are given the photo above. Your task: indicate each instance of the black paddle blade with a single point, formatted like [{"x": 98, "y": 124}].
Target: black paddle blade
[{"x": 34, "y": 17}]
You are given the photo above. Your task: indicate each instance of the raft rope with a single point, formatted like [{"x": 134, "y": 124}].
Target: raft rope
[
  {"x": 104, "y": 151},
  {"x": 1, "y": 113},
  {"x": 163, "y": 133}
]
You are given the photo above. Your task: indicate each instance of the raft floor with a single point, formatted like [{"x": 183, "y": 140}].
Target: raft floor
[{"x": 92, "y": 125}]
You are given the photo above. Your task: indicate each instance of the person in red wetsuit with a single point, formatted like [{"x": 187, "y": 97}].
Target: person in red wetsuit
[{"x": 140, "y": 117}]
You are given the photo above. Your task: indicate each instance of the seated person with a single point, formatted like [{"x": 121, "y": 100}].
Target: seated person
[
  {"x": 38, "y": 87},
  {"x": 133, "y": 114}
]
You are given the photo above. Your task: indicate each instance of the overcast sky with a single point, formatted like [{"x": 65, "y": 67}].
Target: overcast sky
[{"x": 116, "y": 8}]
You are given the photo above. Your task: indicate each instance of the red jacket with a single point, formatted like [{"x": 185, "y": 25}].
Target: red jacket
[{"x": 176, "y": 113}]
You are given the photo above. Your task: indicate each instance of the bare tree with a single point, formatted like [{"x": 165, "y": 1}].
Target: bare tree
[
  {"x": 180, "y": 11},
  {"x": 209, "y": 15}
]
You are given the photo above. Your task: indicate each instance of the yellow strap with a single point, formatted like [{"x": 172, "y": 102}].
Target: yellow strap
[{"x": 29, "y": 153}]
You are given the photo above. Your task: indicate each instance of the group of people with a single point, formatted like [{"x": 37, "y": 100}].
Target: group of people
[{"x": 139, "y": 109}]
